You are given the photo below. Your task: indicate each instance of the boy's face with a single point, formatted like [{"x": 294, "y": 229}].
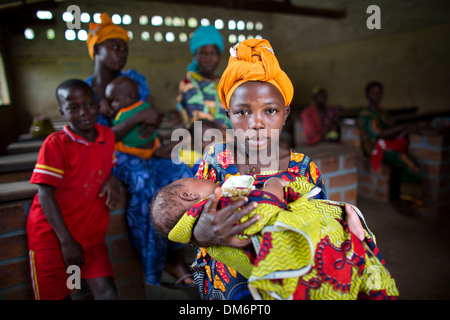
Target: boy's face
[
  {"x": 78, "y": 106},
  {"x": 257, "y": 108},
  {"x": 118, "y": 96}
]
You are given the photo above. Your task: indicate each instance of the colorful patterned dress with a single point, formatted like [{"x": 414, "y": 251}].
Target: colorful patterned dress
[
  {"x": 390, "y": 151},
  {"x": 143, "y": 177},
  {"x": 215, "y": 280},
  {"x": 198, "y": 100}
]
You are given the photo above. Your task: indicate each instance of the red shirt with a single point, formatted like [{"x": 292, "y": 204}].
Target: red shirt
[{"x": 77, "y": 168}]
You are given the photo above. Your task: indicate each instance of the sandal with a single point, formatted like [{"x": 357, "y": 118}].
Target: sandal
[{"x": 179, "y": 283}]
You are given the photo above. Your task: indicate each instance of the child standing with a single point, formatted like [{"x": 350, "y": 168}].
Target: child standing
[{"x": 69, "y": 215}]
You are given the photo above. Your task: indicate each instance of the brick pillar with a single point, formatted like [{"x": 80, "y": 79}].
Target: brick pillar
[
  {"x": 340, "y": 174},
  {"x": 432, "y": 152},
  {"x": 15, "y": 281},
  {"x": 374, "y": 185}
]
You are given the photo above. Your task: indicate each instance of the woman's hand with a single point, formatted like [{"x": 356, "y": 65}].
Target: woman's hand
[
  {"x": 151, "y": 116},
  {"x": 146, "y": 131},
  {"x": 220, "y": 228}
]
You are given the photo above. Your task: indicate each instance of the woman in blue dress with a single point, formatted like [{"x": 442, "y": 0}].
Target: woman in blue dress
[{"x": 108, "y": 47}]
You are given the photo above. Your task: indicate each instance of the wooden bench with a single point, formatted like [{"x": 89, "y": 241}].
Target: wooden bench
[{"x": 15, "y": 284}]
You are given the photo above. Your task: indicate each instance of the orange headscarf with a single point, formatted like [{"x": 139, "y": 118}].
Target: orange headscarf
[
  {"x": 253, "y": 60},
  {"x": 99, "y": 32}
]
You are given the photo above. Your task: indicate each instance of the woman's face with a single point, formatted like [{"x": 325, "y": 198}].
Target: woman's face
[
  {"x": 112, "y": 53},
  {"x": 374, "y": 94},
  {"x": 208, "y": 58},
  {"x": 258, "y": 109}
]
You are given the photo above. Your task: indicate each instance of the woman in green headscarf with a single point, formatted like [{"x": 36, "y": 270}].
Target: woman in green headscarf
[{"x": 197, "y": 94}]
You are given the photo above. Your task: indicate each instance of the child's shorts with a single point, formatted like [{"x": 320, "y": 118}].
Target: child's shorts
[{"x": 49, "y": 274}]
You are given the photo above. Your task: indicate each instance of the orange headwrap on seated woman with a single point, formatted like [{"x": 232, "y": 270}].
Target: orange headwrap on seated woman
[
  {"x": 99, "y": 32},
  {"x": 253, "y": 60}
]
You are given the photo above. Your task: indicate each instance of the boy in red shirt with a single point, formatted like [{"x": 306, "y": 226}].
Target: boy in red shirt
[{"x": 70, "y": 213}]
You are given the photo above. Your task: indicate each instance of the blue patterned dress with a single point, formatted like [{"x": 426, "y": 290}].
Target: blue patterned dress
[{"x": 215, "y": 280}]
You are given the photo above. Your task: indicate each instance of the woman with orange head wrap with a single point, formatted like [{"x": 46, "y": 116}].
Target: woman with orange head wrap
[
  {"x": 108, "y": 46},
  {"x": 253, "y": 60},
  {"x": 257, "y": 94}
]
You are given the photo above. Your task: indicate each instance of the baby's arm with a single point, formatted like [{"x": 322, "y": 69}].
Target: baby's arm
[
  {"x": 72, "y": 251},
  {"x": 150, "y": 118},
  {"x": 275, "y": 186},
  {"x": 354, "y": 223}
]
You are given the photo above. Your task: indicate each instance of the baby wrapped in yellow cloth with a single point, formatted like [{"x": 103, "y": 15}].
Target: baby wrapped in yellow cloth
[{"x": 302, "y": 247}]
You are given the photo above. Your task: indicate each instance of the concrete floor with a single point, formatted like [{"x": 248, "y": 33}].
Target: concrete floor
[{"x": 414, "y": 248}]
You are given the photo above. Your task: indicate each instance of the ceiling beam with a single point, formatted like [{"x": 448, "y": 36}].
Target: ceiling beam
[
  {"x": 22, "y": 7},
  {"x": 263, "y": 6}
]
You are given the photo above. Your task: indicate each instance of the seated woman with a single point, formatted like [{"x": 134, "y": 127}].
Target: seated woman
[
  {"x": 197, "y": 97},
  {"x": 385, "y": 142},
  {"x": 321, "y": 121},
  {"x": 295, "y": 241},
  {"x": 108, "y": 47}
]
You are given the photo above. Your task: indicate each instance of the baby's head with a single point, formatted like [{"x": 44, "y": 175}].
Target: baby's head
[
  {"x": 122, "y": 92},
  {"x": 172, "y": 201}
]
